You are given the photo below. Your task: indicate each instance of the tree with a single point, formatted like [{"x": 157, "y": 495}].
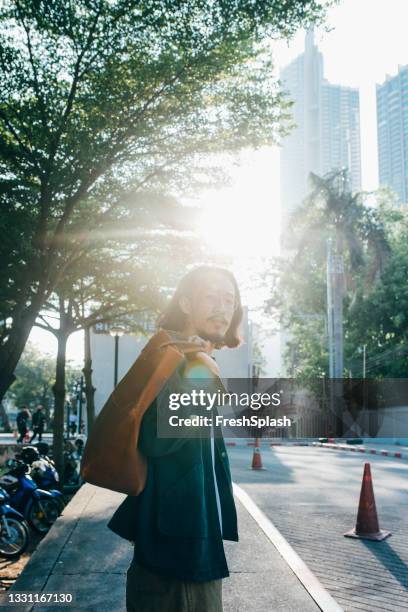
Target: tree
[
  {"x": 379, "y": 321},
  {"x": 103, "y": 101},
  {"x": 359, "y": 236},
  {"x": 86, "y": 296},
  {"x": 35, "y": 375}
]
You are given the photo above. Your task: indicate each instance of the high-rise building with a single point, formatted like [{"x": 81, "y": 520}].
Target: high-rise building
[
  {"x": 326, "y": 136},
  {"x": 392, "y": 129},
  {"x": 327, "y": 132}
]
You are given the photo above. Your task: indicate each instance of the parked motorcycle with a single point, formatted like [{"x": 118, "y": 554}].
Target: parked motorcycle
[
  {"x": 72, "y": 479},
  {"x": 14, "y": 533},
  {"x": 44, "y": 474},
  {"x": 44, "y": 450},
  {"x": 39, "y": 507}
]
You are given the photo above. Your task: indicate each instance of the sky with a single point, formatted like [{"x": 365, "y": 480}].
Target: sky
[{"x": 367, "y": 40}]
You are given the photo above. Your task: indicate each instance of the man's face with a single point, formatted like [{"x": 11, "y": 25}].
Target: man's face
[{"x": 211, "y": 308}]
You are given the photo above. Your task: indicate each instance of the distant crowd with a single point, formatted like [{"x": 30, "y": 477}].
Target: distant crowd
[{"x": 37, "y": 422}]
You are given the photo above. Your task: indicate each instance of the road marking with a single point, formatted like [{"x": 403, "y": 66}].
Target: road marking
[{"x": 312, "y": 585}]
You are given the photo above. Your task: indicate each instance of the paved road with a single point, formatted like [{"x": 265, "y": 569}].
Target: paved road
[{"x": 311, "y": 496}]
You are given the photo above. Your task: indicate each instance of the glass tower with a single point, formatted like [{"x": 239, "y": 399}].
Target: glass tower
[
  {"x": 327, "y": 132},
  {"x": 392, "y": 130}
]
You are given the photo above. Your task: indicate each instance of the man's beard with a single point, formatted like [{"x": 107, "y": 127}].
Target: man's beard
[{"x": 214, "y": 338}]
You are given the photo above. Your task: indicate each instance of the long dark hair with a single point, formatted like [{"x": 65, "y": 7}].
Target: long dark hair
[{"x": 174, "y": 318}]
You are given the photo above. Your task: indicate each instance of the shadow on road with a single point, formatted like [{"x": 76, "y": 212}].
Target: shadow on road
[{"x": 390, "y": 560}]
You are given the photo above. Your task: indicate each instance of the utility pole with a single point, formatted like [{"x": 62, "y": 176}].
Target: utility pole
[
  {"x": 335, "y": 280},
  {"x": 338, "y": 273},
  {"x": 330, "y": 334}
]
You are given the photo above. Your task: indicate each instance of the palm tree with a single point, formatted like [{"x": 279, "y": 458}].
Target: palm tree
[
  {"x": 357, "y": 252},
  {"x": 332, "y": 211}
]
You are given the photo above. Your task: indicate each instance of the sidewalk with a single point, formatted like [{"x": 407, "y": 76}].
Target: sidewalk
[{"x": 81, "y": 556}]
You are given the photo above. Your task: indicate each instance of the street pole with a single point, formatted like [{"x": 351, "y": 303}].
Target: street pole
[
  {"x": 338, "y": 341},
  {"x": 115, "y": 380},
  {"x": 68, "y": 404},
  {"x": 334, "y": 280},
  {"x": 329, "y": 278},
  {"x": 81, "y": 390},
  {"x": 116, "y": 333}
]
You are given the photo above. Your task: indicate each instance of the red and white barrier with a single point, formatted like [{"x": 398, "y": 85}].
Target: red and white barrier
[{"x": 361, "y": 449}]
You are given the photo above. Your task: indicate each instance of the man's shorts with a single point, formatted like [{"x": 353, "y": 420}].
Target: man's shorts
[{"x": 150, "y": 592}]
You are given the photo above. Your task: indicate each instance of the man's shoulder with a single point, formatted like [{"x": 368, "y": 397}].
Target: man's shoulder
[{"x": 159, "y": 338}]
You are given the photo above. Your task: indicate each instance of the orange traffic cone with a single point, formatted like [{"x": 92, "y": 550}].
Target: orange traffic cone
[
  {"x": 256, "y": 458},
  {"x": 367, "y": 527}
]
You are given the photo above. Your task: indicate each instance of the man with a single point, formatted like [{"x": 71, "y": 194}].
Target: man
[
  {"x": 72, "y": 428},
  {"x": 22, "y": 423},
  {"x": 187, "y": 508},
  {"x": 38, "y": 423}
]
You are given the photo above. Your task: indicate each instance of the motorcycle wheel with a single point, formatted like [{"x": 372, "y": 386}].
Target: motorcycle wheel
[
  {"x": 14, "y": 543},
  {"x": 42, "y": 514}
]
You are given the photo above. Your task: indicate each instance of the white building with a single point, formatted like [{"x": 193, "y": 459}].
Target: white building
[{"x": 236, "y": 363}]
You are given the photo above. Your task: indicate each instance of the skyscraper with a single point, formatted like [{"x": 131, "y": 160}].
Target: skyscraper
[
  {"x": 326, "y": 136},
  {"x": 392, "y": 129},
  {"x": 327, "y": 132}
]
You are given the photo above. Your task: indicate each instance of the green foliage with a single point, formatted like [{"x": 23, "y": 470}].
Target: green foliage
[
  {"x": 35, "y": 375},
  {"x": 373, "y": 242},
  {"x": 108, "y": 106},
  {"x": 380, "y": 319}
]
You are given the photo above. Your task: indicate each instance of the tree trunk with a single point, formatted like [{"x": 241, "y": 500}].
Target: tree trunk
[
  {"x": 11, "y": 350},
  {"x": 59, "y": 406},
  {"x": 89, "y": 388},
  {"x": 45, "y": 402},
  {"x": 4, "y": 418}
]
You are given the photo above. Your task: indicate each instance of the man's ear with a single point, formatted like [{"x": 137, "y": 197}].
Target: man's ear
[{"x": 185, "y": 305}]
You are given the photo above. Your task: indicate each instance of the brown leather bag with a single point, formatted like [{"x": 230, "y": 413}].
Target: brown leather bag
[{"x": 111, "y": 458}]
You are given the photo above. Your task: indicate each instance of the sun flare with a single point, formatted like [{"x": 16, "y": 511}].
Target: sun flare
[{"x": 244, "y": 219}]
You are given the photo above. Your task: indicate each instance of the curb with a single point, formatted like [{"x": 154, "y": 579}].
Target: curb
[
  {"x": 265, "y": 444},
  {"x": 361, "y": 449},
  {"x": 310, "y": 582}
]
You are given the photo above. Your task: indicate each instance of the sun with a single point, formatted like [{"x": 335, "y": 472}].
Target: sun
[{"x": 243, "y": 220}]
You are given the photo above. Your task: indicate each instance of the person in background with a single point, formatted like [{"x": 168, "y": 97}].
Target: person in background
[
  {"x": 38, "y": 423},
  {"x": 73, "y": 428},
  {"x": 22, "y": 423}
]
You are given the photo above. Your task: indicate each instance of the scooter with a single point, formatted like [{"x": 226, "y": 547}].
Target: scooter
[
  {"x": 14, "y": 533},
  {"x": 39, "y": 507},
  {"x": 43, "y": 472},
  {"x": 72, "y": 479},
  {"x": 46, "y": 477}
]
